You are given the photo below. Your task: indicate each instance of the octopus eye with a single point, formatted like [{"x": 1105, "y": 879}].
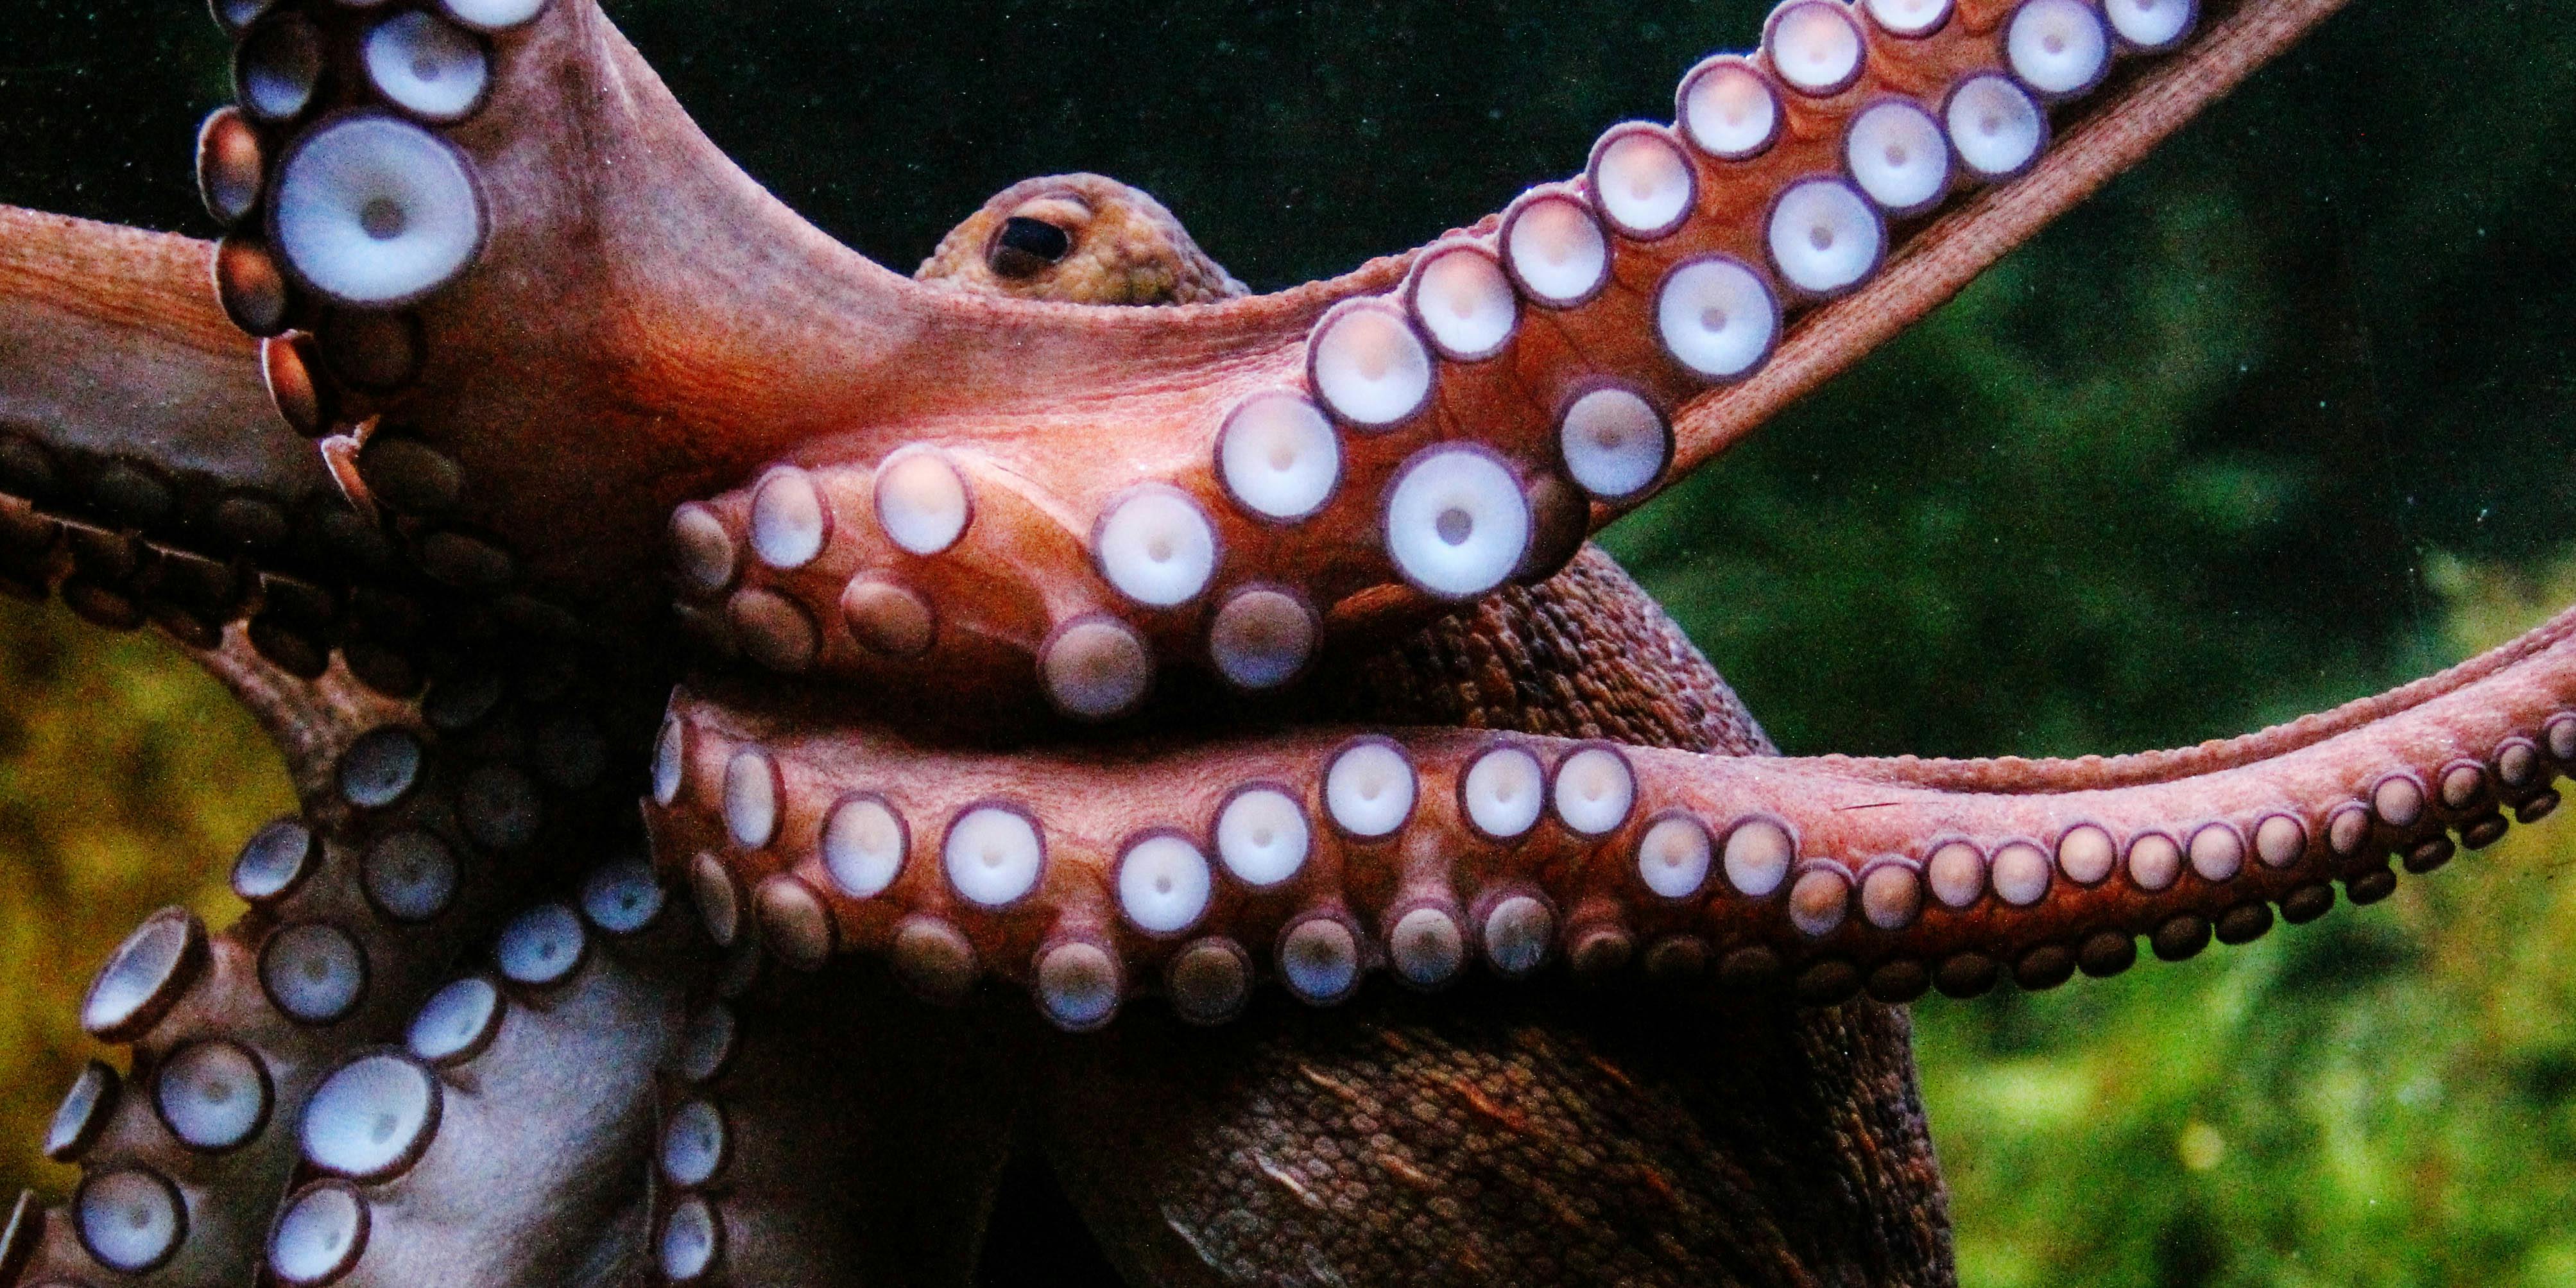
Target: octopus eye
[{"x": 1028, "y": 246}]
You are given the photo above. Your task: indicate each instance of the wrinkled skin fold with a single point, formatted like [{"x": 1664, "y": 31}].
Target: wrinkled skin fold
[{"x": 1527, "y": 959}]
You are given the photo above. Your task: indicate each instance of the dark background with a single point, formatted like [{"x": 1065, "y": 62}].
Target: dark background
[{"x": 2279, "y": 420}]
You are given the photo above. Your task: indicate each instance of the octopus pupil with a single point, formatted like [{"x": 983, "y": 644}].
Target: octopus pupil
[{"x": 1029, "y": 245}]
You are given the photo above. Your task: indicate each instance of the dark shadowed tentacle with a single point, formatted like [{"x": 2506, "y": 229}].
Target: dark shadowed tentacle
[
  {"x": 873, "y": 1163},
  {"x": 146, "y": 477},
  {"x": 1096, "y": 874},
  {"x": 1256, "y": 474},
  {"x": 127, "y": 399},
  {"x": 353, "y": 906},
  {"x": 420, "y": 821},
  {"x": 144, "y": 473},
  {"x": 503, "y": 1140}
]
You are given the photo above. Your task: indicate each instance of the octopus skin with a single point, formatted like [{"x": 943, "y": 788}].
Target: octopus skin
[{"x": 981, "y": 691}]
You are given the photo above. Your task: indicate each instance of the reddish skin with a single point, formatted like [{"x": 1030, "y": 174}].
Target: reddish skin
[{"x": 1523, "y": 1133}]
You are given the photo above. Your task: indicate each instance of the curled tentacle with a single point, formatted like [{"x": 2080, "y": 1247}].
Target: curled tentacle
[
  {"x": 1419, "y": 431},
  {"x": 503, "y": 1140},
  {"x": 1091, "y": 876},
  {"x": 354, "y": 907}
]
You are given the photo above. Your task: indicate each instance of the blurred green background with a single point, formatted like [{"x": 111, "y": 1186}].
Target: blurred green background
[{"x": 2282, "y": 419}]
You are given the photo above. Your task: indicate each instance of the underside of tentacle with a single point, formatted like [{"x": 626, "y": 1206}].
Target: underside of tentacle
[
  {"x": 147, "y": 476},
  {"x": 1526, "y": 382},
  {"x": 502, "y": 1141},
  {"x": 1095, "y": 874},
  {"x": 421, "y": 822},
  {"x": 776, "y": 1167},
  {"x": 1096, "y": 496}
]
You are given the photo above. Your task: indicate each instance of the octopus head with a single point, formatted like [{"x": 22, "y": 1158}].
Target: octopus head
[{"x": 1078, "y": 239}]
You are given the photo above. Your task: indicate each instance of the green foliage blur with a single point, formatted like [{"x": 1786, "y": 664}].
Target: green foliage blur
[{"x": 2280, "y": 419}]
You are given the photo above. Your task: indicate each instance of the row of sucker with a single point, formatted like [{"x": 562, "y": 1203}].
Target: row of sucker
[
  {"x": 749, "y": 1118},
  {"x": 1093, "y": 875},
  {"x": 389, "y": 629},
  {"x": 141, "y": 471},
  {"x": 176, "y": 502},
  {"x": 346, "y": 205},
  {"x": 416, "y": 833},
  {"x": 502, "y": 1140},
  {"x": 353, "y": 910},
  {"x": 1464, "y": 430}
]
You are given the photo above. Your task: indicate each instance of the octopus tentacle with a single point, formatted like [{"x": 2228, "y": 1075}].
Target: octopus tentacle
[
  {"x": 503, "y": 1141},
  {"x": 353, "y": 906},
  {"x": 419, "y": 822},
  {"x": 778, "y": 1168},
  {"x": 1097, "y": 874},
  {"x": 145, "y": 477},
  {"x": 1944, "y": 257},
  {"x": 1522, "y": 386},
  {"x": 1419, "y": 431}
]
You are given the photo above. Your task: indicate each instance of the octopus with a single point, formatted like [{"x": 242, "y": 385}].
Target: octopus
[{"x": 781, "y": 741}]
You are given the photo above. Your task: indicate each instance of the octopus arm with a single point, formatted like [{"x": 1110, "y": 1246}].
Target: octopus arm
[
  {"x": 1090, "y": 493},
  {"x": 146, "y": 475},
  {"x": 504, "y": 1141},
  {"x": 1096, "y": 874},
  {"x": 776, "y": 1167},
  {"x": 422, "y": 824}
]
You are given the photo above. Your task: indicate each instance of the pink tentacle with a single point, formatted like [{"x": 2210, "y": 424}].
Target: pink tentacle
[
  {"x": 1097, "y": 494},
  {"x": 1097, "y": 874}
]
